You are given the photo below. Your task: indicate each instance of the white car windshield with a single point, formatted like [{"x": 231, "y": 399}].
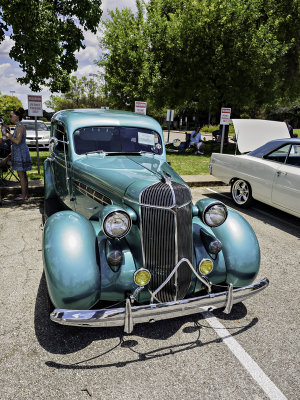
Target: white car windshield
[{"x": 30, "y": 126}]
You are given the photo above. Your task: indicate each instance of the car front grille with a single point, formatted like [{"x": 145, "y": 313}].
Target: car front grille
[{"x": 166, "y": 227}]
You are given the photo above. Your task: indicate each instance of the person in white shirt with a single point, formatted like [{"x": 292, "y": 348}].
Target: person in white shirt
[{"x": 196, "y": 141}]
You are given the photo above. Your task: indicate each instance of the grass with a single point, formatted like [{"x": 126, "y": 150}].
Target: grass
[
  {"x": 33, "y": 174},
  {"x": 192, "y": 164}
]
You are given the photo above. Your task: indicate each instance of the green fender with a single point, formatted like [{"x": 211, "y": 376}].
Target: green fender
[
  {"x": 240, "y": 249},
  {"x": 70, "y": 261},
  {"x": 49, "y": 184}
]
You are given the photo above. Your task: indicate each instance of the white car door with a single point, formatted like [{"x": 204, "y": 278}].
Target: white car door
[{"x": 286, "y": 186}]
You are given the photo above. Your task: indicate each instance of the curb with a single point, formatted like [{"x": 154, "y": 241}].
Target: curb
[{"x": 37, "y": 190}]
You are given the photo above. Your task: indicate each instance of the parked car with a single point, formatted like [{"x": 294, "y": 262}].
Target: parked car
[
  {"x": 270, "y": 173},
  {"x": 43, "y": 133},
  {"x": 126, "y": 231}
]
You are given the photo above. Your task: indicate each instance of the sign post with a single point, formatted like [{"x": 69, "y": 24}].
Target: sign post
[
  {"x": 170, "y": 117},
  {"x": 140, "y": 107},
  {"x": 35, "y": 109},
  {"x": 224, "y": 120}
]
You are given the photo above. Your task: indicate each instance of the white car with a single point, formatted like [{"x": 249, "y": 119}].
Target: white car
[
  {"x": 42, "y": 130},
  {"x": 270, "y": 174}
]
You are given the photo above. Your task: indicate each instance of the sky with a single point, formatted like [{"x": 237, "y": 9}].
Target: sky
[{"x": 10, "y": 70}]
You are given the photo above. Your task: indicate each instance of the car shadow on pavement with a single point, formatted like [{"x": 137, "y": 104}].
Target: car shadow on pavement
[
  {"x": 64, "y": 340},
  {"x": 191, "y": 339}
]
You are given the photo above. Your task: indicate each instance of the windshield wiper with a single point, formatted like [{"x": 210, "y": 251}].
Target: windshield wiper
[
  {"x": 95, "y": 151},
  {"x": 126, "y": 153}
]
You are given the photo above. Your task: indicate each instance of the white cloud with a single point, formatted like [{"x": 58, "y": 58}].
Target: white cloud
[
  {"x": 92, "y": 50},
  {"x": 6, "y": 46}
]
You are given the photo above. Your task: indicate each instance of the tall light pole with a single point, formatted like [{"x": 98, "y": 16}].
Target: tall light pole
[{"x": 12, "y": 92}]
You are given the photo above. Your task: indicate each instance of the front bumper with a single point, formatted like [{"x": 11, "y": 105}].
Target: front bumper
[{"x": 130, "y": 315}]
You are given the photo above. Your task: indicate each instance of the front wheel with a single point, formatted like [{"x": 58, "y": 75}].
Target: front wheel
[{"x": 241, "y": 193}]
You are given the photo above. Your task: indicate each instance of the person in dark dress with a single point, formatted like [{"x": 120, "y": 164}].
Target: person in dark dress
[{"x": 20, "y": 156}]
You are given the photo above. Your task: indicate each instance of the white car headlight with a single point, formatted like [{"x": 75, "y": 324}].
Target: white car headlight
[
  {"x": 215, "y": 214},
  {"x": 116, "y": 224}
]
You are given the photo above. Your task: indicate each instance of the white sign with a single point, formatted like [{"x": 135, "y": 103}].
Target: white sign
[
  {"x": 140, "y": 107},
  {"x": 170, "y": 115},
  {"x": 225, "y": 116},
  {"x": 35, "y": 106},
  {"x": 145, "y": 138}
]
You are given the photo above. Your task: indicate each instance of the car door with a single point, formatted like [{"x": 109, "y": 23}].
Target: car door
[{"x": 286, "y": 185}]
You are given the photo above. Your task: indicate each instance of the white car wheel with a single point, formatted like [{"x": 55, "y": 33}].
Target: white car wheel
[{"x": 241, "y": 193}]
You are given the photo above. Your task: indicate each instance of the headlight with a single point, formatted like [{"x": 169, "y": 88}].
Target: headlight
[
  {"x": 215, "y": 214},
  {"x": 116, "y": 224},
  {"x": 142, "y": 277},
  {"x": 206, "y": 266}
]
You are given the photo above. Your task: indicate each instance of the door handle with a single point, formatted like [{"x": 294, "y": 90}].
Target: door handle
[{"x": 281, "y": 173}]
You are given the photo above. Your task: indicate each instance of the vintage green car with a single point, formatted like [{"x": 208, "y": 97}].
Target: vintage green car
[{"x": 127, "y": 245}]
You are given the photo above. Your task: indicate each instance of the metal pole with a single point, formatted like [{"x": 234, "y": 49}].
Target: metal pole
[
  {"x": 37, "y": 145},
  {"x": 168, "y": 131},
  {"x": 222, "y": 139}
]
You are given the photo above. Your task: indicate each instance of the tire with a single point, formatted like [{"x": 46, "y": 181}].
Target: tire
[
  {"x": 51, "y": 206},
  {"x": 241, "y": 193}
]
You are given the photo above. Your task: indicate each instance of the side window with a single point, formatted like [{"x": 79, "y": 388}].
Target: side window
[
  {"x": 294, "y": 156},
  {"x": 61, "y": 135},
  {"x": 279, "y": 155}
]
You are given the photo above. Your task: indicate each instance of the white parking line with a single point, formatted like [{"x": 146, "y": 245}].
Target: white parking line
[{"x": 250, "y": 365}]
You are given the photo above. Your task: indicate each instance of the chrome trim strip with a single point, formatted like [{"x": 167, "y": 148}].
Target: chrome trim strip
[
  {"x": 153, "y": 312},
  {"x": 94, "y": 194}
]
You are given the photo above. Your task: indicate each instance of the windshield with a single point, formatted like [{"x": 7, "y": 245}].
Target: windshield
[
  {"x": 116, "y": 140},
  {"x": 31, "y": 126}
]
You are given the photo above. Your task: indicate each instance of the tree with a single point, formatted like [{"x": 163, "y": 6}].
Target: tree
[
  {"x": 207, "y": 53},
  {"x": 7, "y": 104},
  {"x": 47, "y": 33},
  {"x": 83, "y": 93}
]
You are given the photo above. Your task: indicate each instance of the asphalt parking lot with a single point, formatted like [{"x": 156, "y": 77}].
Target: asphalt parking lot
[{"x": 251, "y": 354}]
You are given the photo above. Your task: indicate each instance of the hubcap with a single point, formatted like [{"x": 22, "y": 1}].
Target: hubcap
[{"x": 240, "y": 192}]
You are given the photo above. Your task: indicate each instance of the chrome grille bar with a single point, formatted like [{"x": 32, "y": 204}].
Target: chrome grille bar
[{"x": 166, "y": 232}]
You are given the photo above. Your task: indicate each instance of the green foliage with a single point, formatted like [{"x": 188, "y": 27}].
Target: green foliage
[
  {"x": 192, "y": 164},
  {"x": 8, "y": 103},
  {"x": 83, "y": 93},
  {"x": 47, "y": 34},
  {"x": 203, "y": 54}
]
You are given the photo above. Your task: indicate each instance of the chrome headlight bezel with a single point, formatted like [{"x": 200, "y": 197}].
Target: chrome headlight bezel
[
  {"x": 217, "y": 205},
  {"x": 111, "y": 215}
]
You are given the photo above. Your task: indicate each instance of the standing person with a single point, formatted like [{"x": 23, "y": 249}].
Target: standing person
[
  {"x": 196, "y": 141},
  {"x": 20, "y": 156},
  {"x": 290, "y": 128}
]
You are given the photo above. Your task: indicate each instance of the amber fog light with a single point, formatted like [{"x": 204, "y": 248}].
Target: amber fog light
[
  {"x": 206, "y": 266},
  {"x": 142, "y": 277}
]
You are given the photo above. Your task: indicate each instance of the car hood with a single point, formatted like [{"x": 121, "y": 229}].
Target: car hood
[
  {"x": 253, "y": 133},
  {"x": 122, "y": 175}
]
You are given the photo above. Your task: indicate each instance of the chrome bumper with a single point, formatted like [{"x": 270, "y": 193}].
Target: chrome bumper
[{"x": 129, "y": 315}]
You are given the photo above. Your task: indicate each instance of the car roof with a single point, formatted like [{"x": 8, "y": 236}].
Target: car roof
[
  {"x": 78, "y": 118},
  {"x": 272, "y": 145}
]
